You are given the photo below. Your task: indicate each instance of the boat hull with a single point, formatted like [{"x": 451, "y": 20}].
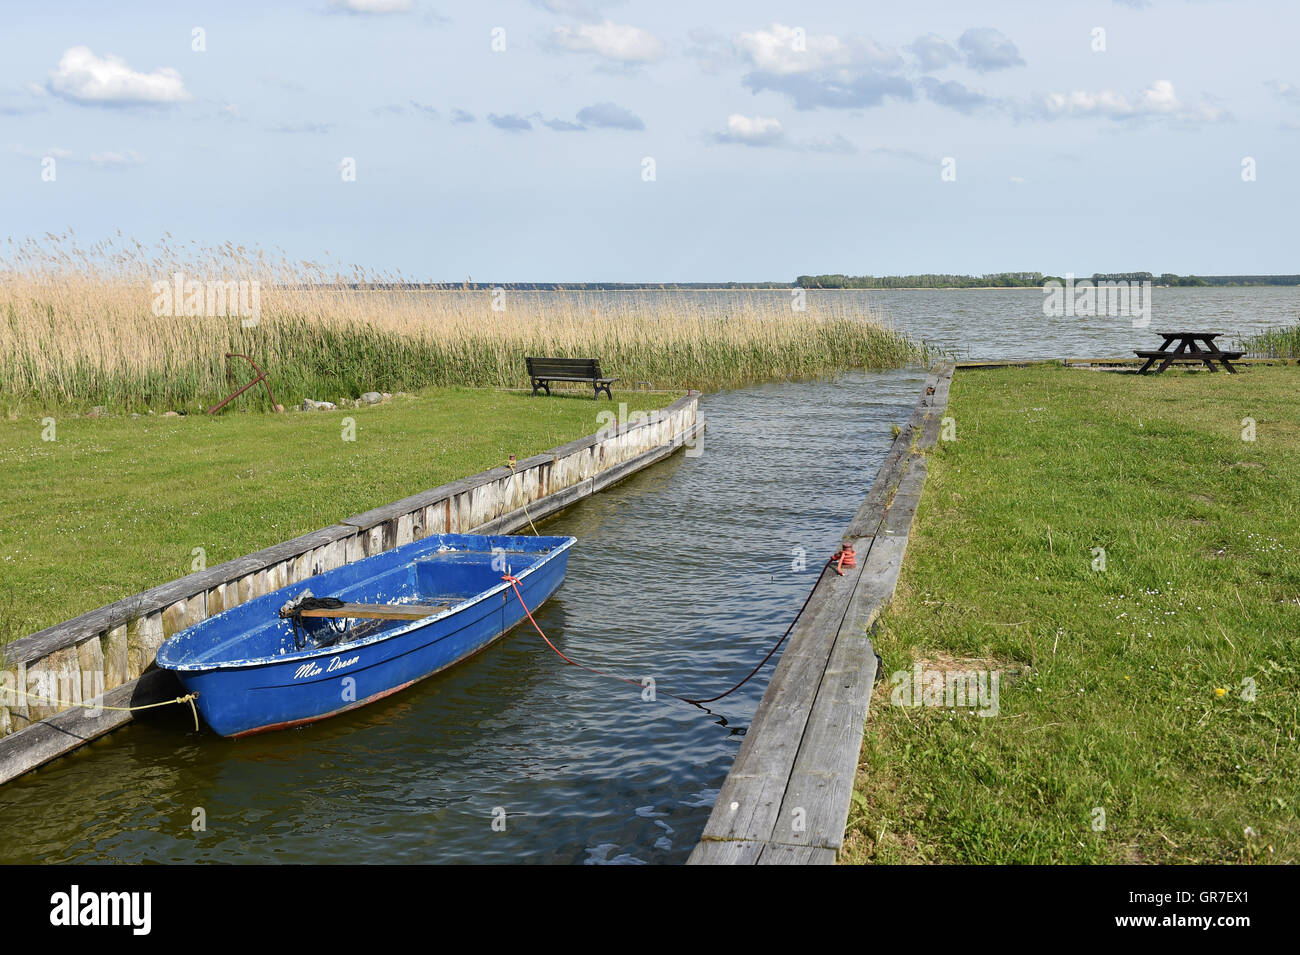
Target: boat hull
[{"x": 242, "y": 699}]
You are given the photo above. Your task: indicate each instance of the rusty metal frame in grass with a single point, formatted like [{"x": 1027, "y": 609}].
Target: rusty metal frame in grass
[{"x": 261, "y": 376}]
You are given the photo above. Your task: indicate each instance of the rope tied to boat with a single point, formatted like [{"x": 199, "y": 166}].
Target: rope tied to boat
[
  {"x": 187, "y": 698},
  {"x": 844, "y": 557},
  {"x": 522, "y": 496}
]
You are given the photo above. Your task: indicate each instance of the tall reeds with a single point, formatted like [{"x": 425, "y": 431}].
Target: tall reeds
[
  {"x": 83, "y": 326},
  {"x": 1280, "y": 342}
]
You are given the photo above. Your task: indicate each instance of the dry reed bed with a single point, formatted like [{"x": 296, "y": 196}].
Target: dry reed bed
[{"x": 79, "y": 327}]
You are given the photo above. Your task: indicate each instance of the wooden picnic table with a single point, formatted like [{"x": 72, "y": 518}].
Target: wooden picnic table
[{"x": 1188, "y": 351}]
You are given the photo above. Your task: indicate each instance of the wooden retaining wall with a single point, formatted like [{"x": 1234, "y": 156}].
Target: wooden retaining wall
[
  {"x": 786, "y": 799},
  {"x": 105, "y": 655}
]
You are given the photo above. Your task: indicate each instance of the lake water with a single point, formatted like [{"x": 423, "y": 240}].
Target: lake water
[
  {"x": 978, "y": 324},
  {"x": 687, "y": 572}
]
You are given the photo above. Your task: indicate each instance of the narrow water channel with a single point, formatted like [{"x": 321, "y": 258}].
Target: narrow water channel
[{"x": 687, "y": 573}]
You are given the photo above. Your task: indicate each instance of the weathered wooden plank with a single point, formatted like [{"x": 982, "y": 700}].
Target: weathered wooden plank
[
  {"x": 775, "y": 854},
  {"x": 898, "y": 519},
  {"x": 726, "y": 852},
  {"x": 815, "y": 807},
  {"x": 59, "y": 734},
  {"x": 867, "y": 520},
  {"x": 543, "y": 507},
  {"x": 379, "y": 515},
  {"x": 683, "y": 403},
  {"x": 821, "y": 715},
  {"x": 749, "y": 801},
  {"x": 558, "y": 500},
  {"x": 621, "y": 471}
]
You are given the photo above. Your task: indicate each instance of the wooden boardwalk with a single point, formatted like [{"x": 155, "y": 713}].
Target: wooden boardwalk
[{"x": 786, "y": 799}]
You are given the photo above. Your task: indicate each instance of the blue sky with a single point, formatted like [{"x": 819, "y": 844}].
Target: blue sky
[{"x": 786, "y": 138}]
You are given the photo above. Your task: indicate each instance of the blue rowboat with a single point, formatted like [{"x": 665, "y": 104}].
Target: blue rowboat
[{"x": 291, "y": 657}]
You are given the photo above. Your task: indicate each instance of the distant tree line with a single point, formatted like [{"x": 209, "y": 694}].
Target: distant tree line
[
  {"x": 554, "y": 286},
  {"x": 1031, "y": 280},
  {"x": 928, "y": 280}
]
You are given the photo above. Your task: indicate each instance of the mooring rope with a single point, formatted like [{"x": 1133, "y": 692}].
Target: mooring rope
[
  {"x": 522, "y": 496},
  {"x": 843, "y": 558},
  {"x": 187, "y": 698}
]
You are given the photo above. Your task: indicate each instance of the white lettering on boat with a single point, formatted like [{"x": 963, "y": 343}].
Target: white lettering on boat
[{"x": 313, "y": 669}]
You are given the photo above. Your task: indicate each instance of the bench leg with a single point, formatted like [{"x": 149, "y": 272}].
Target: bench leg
[
  {"x": 541, "y": 383},
  {"x": 1149, "y": 362},
  {"x": 604, "y": 388}
]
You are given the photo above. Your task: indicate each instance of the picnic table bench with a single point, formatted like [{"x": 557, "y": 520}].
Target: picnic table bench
[
  {"x": 1187, "y": 352},
  {"x": 543, "y": 371}
]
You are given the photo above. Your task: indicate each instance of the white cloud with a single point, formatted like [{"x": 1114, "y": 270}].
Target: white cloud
[
  {"x": 821, "y": 70},
  {"x": 751, "y": 131},
  {"x": 108, "y": 81},
  {"x": 933, "y": 52},
  {"x": 1284, "y": 90},
  {"x": 581, "y": 9},
  {"x": 624, "y": 44},
  {"x": 126, "y": 157},
  {"x": 784, "y": 50},
  {"x": 988, "y": 49},
  {"x": 373, "y": 6},
  {"x": 610, "y": 116},
  {"x": 1159, "y": 100}
]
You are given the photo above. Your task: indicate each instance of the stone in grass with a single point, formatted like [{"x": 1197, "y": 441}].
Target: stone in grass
[
  {"x": 372, "y": 397},
  {"x": 309, "y": 405},
  {"x": 97, "y": 412}
]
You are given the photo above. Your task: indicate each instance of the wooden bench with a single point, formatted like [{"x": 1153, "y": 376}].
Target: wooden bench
[{"x": 543, "y": 371}]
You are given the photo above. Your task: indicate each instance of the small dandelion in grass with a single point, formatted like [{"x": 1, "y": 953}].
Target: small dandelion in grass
[{"x": 1220, "y": 691}]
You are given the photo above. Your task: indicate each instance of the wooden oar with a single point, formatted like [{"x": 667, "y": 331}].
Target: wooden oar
[{"x": 378, "y": 611}]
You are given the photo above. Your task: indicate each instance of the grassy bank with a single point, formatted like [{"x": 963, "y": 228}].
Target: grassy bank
[
  {"x": 115, "y": 505},
  {"x": 1148, "y": 703},
  {"x": 82, "y": 327}
]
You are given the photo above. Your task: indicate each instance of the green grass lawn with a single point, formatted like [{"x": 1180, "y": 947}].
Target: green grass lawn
[
  {"x": 115, "y": 505},
  {"x": 1161, "y": 690}
]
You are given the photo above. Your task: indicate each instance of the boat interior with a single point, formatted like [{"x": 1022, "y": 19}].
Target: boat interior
[{"x": 442, "y": 572}]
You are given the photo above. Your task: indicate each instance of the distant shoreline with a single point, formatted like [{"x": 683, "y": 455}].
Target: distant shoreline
[{"x": 683, "y": 287}]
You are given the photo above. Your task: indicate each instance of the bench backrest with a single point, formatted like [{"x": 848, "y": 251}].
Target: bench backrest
[{"x": 563, "y": 367}]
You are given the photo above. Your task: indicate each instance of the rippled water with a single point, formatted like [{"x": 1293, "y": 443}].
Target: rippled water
[
  {"x": 683, "y": 573},
  {"x": 1009, "y": 323}
]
